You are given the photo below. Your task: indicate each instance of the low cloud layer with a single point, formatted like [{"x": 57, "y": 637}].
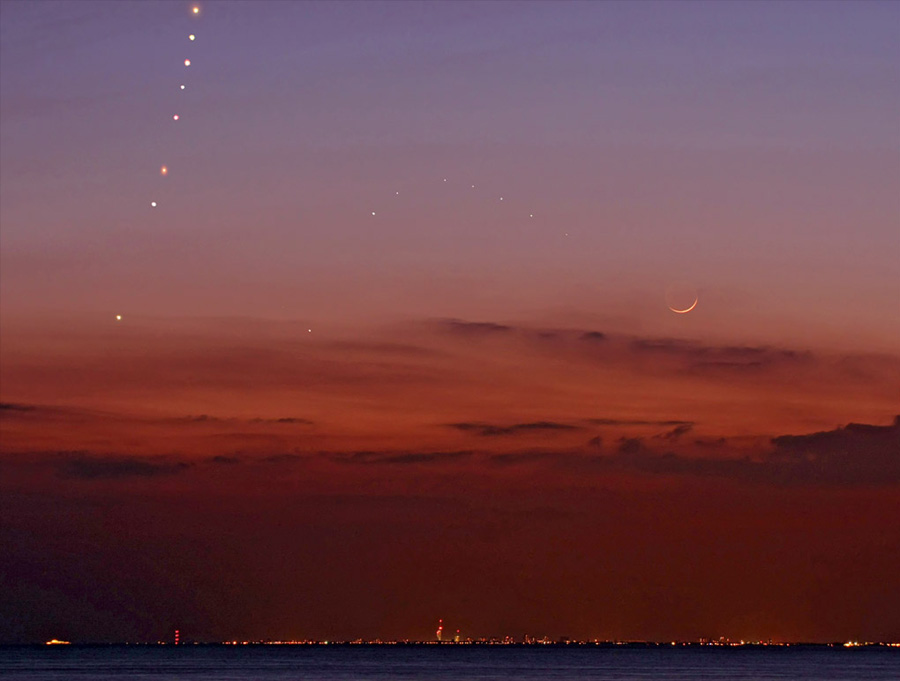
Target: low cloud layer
[
  {"x": 432, "y": 394},
  {"x": 850, "y": 456},
  {"x": 857, "y": 454}
]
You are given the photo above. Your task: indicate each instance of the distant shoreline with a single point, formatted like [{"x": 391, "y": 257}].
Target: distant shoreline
[{"x": 637, "y": 645}]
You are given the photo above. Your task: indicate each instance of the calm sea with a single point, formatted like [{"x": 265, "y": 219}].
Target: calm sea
[{"x": 444, "y": 663}]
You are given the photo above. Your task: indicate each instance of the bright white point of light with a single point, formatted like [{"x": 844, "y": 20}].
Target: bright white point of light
[
  {"x": 153, "y": 204},
  {"x": 195, "y": 10},
  {"x": 501, "y": 198},
  {"x": 182, "y": 87},
  {"x": 164, "y": 171},
  {"x": 531, "y": 215},
  {"x": 191, "y": 36},
  {"x": 175, "y": 117},
  {"x": 397, "y": 193},
  {"x": 187, "y": 62},
  {"x": 118, "y": 318},
  {"x": 309, "y": 330}
]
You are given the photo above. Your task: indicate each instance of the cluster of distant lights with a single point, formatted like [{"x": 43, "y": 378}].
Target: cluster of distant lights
[{"x": 511, "y": 641}]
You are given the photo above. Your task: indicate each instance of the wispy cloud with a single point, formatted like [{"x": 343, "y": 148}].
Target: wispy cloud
[
  {"x": 398, "y": 458},
  {"x": 458, "y": 326},
  {"x": 488, "y": 429},
  {"x": 206, "y": 418},
  {"x": 700, "y": 356},
  {"x": 536, "y": 456},
  {"x": 594, "y": 336},
  {"x": 11, "y": 406},
  {"x": 637, "y": 422},
  {"x": 83, "y": 467},
  {"x": 677, "y": 431}
]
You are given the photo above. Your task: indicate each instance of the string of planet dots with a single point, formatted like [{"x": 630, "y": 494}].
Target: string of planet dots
[{"x": 164, "y": 171}]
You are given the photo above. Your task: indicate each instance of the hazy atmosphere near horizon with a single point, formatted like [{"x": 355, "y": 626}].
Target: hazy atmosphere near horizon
[{"x": 330, "y": 320}]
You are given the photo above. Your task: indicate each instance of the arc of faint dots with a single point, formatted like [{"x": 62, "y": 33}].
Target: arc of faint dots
[{"x": 688, "y": 309}]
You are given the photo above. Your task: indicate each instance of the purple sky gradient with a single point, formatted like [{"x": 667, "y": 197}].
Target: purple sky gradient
[{"x": 748, "y": 148}]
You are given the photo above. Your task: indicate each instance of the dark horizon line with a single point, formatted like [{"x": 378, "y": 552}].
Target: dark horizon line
[{"x": 494, "y": 641}]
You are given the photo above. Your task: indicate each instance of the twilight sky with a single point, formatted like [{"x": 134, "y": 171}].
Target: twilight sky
[{"x": 395, "y": 341}]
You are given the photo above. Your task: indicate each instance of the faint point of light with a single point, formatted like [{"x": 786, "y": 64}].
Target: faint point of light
[
  {"x": 531, "y": 215},
  {"x": 501, "y": 198},
  {"x": 164, "y": 171},
  {"x": 153, "y": 204},
  {"x": 175, "y": 117},
  {"x": 187, "y": 62},
  {"x": 373, "y": 212},
  {"x": 445, "y": 179},
  {"x": 191, "y": 36},
  {"x": 182, "y": 87},
  {"x": 118, "y": 318},
  {"x": 397, "y": 193}
]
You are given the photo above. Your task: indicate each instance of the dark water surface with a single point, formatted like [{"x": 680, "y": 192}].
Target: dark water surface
[{"x": 444, "y": 663}]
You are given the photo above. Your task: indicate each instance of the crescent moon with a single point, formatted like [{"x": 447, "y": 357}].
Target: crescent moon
[{"x": 687, "y": 309}]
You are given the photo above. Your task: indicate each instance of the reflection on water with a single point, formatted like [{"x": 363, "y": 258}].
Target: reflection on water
[{"x": 443, "y": 663}]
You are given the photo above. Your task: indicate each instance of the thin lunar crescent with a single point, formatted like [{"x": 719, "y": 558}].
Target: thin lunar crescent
[{"x": 687, "y": 309}]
